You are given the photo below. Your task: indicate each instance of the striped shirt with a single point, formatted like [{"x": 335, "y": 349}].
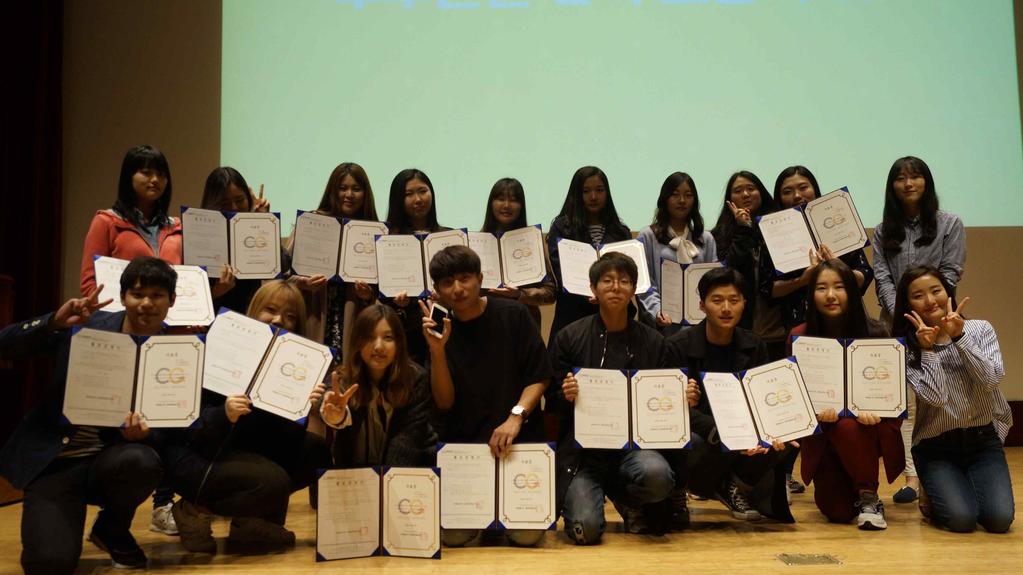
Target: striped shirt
[
  {"x": 596, "y": 233},
  {"x": 957, "y": 385}
]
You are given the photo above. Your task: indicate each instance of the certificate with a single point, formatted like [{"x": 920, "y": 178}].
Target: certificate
[
  {"x": 526, "y": 478},
  {"x": 255, "y": 245},
  {"x": 170, "y": 376},
  {"x": 400, "y": 266},
  {"x": 822, "y": 363},
  {"x": 575, "y": 259},
  {"x": 110, "y": 375},
  {"x": 193, "y": 301},
  {"x": 348, "y": 514},
  {"x": 358, "y": 251},
  {"x": 411, "y": 512},
  {"x": 695, "y": 272},
  {"x": 732, "y": 418},
  {"x": 635, "y": 250},
  {"x": 235, "y": 346},
  {"x": 834, "y": 222},
  {"x": 469, "y": 485},
  {"x": 602, "y": 409},
  {"x": 204, "y": 235},
  {"x": 108, "y": 274},
  {"x": 317, "y": 245},
  {"x": 787, "y": 239},
  {"x": 660, "y": 412},
  {"x": 779, "y": 401},
  {"x": 523, "y": 260},
  {"x": 680, "y": 294},
  {"x": 876, "y": 372},
  {"x": 488, "y": 248},
  {"x": 100, "y": 378},
  {"x": 437, "y": 241},
  {"x": 292, "y": 368}
]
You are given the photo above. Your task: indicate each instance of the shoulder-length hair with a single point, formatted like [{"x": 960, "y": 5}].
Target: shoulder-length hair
[
  {"x": 893, "y": 225},
  {"x": 573, "y": 211},
  {"x": 141, "y": 158},
  {"x": 217, "y": 183},
  {"x": 397, "y": 218},
  {"x": 662, "y": 219},
  {"x": 269, "y": 290},
  {"x": 724, "y": 229},
  {"x": 513, "y": 188},
  {"x": 330, "y": 202},
  {"x": 855, "y": 323},
  {"x": 396, "y": 385},
  {"x": 794, "y": 171},
  {"x": 901, "y": 327}
]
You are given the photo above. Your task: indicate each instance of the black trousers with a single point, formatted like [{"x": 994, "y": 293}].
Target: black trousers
[{"x": 119, "y": 478}]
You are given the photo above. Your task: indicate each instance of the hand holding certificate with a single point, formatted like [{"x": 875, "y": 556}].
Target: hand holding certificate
[
  {"x": 854, "y": 376},
  {"x": 830, "y": 220}
]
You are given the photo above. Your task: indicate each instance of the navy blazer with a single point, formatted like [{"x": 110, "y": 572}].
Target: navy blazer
[{"x": 42, "y": 435}]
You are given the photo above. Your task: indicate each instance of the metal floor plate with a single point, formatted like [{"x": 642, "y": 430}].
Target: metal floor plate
[{"x": 807, "y": 559}]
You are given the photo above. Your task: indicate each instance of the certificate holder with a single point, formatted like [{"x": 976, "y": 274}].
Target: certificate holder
[
  {"x": 316, "y": 249},
  {"x": 831, "y": 219},
  {"x": 631, "y": 409},
  {"x": 511, "y": 259},
  {"x": 111, "y": 374},
  {"x": 365, "y": 512},
  {"x": 853, "y": 376},
  {"x": 193, "y": 302},
  {"x": 680, "y": 298},
  {"x": 761, "y": 405},
  {"x": 249, "y": 241},
  {"x": 403, "y": 261},
  {"x": 480, "y": 491},
  {"x": 275, "y": 368},
  {"x": 576, "y": 258},
  {"x": 358, "y": 251}
]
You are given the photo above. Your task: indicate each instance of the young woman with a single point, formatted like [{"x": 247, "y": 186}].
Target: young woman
[
  {"x": 676, "y": 234},
  {"x": 383, "y": 413},
  {"x": 506, "y": 211},
  {"x": 138, "y": 223},
  {"x": 914, "y": 232},
  {"x": 842, "y": 462},
  {"x": 588, "y": 215},
  {"x": 333, "y": 306},
  {"x": 955, "y": 367},
  {"x": 227, "y": 191},
  {"x": 244, "y": 463},
  {"x": 740, "y": 245}
]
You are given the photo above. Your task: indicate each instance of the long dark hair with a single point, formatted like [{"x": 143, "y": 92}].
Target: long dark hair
[
  {"x": 396, "y": 385},
  {"x": 396, "y": 215},
  {"x": 893, "y": 226},
  {"x": 513, "y": 188},
  {"x": 662, "y": 219},
  {"x": 140, "y": 158},
  {"x": 573, "y": 211},
  {"x": 724, "y": 229},
  {"x": 901, "y": 327},
  {"x": 855, "y": 323},
  {"x": 217, "y": 183},
  {"x": 330, "y": 202},
  {"x": 794, "y": 171}
]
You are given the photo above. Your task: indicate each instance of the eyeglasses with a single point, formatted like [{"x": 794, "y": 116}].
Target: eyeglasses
[{"x": 609, "y": 282}]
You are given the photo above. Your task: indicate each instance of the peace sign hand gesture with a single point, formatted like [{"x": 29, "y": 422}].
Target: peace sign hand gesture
[
  {"x": 335, "y": 402},
  {"x": 925, "y": 335},
  {"x": 77, "y": 311},
  {"x": 953, "y": 321},
  {"x": 741, "y": 215}
]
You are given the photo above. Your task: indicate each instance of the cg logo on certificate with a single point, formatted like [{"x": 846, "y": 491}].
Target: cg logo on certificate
[
  {"x": 255, "y": 242},
  {"x": 879, "y": 373},
  {"x": 296, "y": 372},
  {"x": 170, "y": 375},
  {"x": 660, "y": 404},
  {"x": 185, "y": 291},
  {"x": 520, "y": 253},
  {"x": 774, "y": 399},
  {"x": 832, "y": 221},
  {"x": 529, "y": 481},
  {"x": 363, "y": 248}
]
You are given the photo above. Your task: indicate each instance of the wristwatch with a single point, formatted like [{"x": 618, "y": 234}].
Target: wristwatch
[{"x": 519, "y": 411}]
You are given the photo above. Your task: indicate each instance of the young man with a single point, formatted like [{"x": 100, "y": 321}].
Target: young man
[
  {"x": 750, "y": 483},
  {"x": 488, "y": 369},
  {"x": 638, "y": 481},
  {"x": 63, "y": 467}
]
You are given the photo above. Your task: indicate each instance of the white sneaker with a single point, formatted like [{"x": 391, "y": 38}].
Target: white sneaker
[
  {"x": 163, "y": 520},
  {"x": 871, "y": 516}
]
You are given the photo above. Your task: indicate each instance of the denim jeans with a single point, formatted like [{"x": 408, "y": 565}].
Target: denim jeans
[
  {"x": 639, "y": 477},
  {"x": 966, "y": 477}
]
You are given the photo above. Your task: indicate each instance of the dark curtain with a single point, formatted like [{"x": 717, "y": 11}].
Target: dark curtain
[{"x": 30, "y": 187}]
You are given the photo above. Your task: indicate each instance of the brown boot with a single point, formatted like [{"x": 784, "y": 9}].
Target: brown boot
[
  {"x": 253, "y": 531},
  {"x": 194, "y": 526}
]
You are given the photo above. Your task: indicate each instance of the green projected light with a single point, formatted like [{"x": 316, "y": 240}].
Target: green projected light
[{"x": 472, "y": 91}]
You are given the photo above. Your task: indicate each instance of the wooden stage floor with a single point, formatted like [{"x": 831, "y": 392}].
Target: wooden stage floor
[{"x": 714, "y": 544}]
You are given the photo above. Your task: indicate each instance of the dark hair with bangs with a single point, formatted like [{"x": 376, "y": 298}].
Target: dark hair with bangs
[
  {"x": 719, "y": 277},
  {"x": 855, "y": 323},
  {"x": 794, "y": 171},
  {"x": 396, "y": 384},
  {"x": 901, "y": 327},
  {"x": 217, "y": 183},
  {"x": 724, "y": 229},
  {"x": 330, "y": 202},
  {"x": 145, "y": 272},
  {"x": 614, "y": 262},
  {"x": 397, "y": 217},
  {"x": 573, "y": 210},
  {"x": 136, "y": 159},
  {"x": 454, "y": 260},
  {"x": 513, "y": 189},
  {"x": 893, "y": 226},
  {"x": 662, "y": 219}
]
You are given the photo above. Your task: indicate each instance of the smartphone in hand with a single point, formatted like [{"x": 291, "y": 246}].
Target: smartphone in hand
[{"x": 437, "y": 314}]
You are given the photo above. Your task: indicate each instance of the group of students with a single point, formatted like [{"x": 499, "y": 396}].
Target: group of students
[{"x": 404, "y": 381}]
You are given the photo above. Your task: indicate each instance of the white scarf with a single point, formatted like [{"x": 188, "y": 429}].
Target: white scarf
[{"x": 685, "y": 249}]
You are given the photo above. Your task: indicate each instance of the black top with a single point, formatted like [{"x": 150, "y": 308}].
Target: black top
[{"x": 492, "y": 359}]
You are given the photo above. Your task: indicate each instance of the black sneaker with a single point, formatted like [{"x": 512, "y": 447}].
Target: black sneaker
[
  {"x": 871, "y": 517},
  {"x": 679, "y": 505},
  {"x": 735, "y": 499},
  {"x": 632, "y": 517},
  {"x": 905, "y": 495},
  {"x": 124, "y": 552},
  {"x": 794, "y": 485},
  {"x": 256, "y": 532}
]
